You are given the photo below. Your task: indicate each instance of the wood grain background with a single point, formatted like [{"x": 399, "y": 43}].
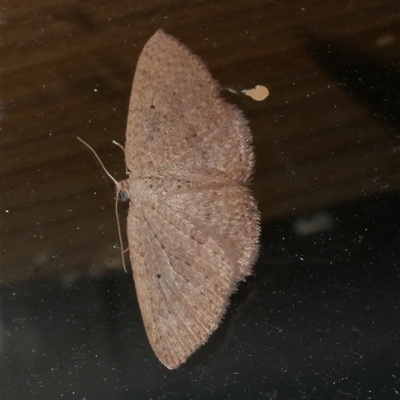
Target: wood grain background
[{"x": 67, "y": 70}]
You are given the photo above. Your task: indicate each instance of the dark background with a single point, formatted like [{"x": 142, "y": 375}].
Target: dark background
[{"x": 320, "y": 316}]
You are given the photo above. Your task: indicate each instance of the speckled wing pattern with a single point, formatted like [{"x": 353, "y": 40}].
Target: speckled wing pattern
[{"x": 193, "y": 226}]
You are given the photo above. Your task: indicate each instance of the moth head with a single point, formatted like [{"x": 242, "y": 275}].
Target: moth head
[{"x": 121, "y": 191}]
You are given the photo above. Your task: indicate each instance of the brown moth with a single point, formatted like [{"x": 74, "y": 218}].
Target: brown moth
[{"x": 193, "y": 225}]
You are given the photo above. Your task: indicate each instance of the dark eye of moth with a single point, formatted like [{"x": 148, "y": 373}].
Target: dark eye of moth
[{"x": 123, "y": 196}]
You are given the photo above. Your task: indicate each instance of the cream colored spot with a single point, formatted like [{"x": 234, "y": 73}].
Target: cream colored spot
[{"x": 259, "y": 93}]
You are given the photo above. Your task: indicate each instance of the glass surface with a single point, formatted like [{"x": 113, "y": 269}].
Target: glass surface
[{"x": 319, "y": 318}]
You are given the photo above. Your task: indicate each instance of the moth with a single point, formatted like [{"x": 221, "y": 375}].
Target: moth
[{"x": 193, "y": 225}]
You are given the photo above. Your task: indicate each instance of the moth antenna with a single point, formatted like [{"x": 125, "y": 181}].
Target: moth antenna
[
  {"x": 98, "y": 159},
  {"x": 119, "y": 145},
  {"x": 122, "y": 148},
  {"x": 121, "y": 246},
  {"x": 116, "y": 198}
]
